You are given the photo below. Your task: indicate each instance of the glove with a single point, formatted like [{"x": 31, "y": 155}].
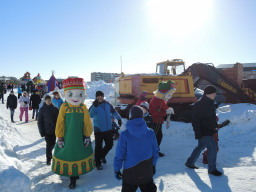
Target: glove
[
  {"x": 154, "y": 169},
  {"x": 87, "y": 140},
  {"x": 26, "y": 102},
  {"x": 223, "y": 124},
  {"x": 61, "y": 142},
  {"x": 95, "y": 103},
  {"x": 42, "y": 134},
  {"x": 118, "y": 175},
  {"x": 119, "y": 122},
  {"x": 170, "y": 111}
]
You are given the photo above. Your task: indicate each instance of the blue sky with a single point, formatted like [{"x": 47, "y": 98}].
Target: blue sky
[{"x": 75, "y": 38}]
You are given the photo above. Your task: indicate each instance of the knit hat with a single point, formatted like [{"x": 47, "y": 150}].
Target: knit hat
[
  {"x": 24, "y": 92},
  {"x": 145, "y": 105},
  {"x": 136, "y": 112},
  {"x": 99, "y": 93},
  {"x": 165, "y": 86},
  {"x": 209, "y": 89},
  {"x": 144, "y": 94},
  {"x": 73, "y": 83}
]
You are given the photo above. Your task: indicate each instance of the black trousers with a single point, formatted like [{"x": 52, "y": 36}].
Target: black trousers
[
  {"x": 158, "y": 132},
  {"x": 50, "y": 143},
  {"x": 2, "y": 97},
  {"x": 101, "y": 152},
  {"x": 147, "y": 187}
]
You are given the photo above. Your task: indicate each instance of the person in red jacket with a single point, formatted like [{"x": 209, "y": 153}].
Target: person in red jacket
[
  {"x": 142, "y": 98},
  {"x": 158, "y": 108}
]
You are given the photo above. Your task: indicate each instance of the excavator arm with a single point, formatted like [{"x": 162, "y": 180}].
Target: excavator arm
[{"x": 201, "y": 71}]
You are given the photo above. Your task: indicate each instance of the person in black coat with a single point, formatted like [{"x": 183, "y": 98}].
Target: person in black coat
[
  {"x": 11, "y": 104},
  {"x": 205, "y": 125},
  {"x": 2, "y": 92},
  {"x": 35, "y": 100},
  {"x": 47, "y": 119}
]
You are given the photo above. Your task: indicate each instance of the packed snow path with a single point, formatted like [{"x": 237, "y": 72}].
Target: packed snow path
[{"x": 23, "y": 162}]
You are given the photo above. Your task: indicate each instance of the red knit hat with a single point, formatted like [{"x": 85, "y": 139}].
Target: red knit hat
[{"x": 73, "y": 83}]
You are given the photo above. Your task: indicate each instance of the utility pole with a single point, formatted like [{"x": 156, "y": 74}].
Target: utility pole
[{"x": 121, "y": 63}]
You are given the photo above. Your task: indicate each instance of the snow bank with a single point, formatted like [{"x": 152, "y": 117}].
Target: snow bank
[
  {"x": 107, "y": 88},
  {"x": 11, "y": 175}
]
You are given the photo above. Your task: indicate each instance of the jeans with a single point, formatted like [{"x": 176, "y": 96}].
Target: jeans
[
  {"x": 205, "y": 141},
  {"x": 35, "y": 111},
  {"x": 12, "y": 113},
  {"x": 100, "y": 152}
]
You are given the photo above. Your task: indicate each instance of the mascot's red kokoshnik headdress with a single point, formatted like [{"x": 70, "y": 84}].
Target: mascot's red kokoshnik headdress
[{"x": 73, "y": 83}]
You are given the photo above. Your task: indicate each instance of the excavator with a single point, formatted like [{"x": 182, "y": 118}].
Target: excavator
[{"x": 129, "y": 87}]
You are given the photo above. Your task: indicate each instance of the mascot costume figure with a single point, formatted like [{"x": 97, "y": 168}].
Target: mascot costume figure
[
  {"x": 158, "y": 108},
  {"x": 73, "y": 156}
]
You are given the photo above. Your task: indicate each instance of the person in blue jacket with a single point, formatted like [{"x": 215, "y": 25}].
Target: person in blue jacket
[
  {"x": 19, "y": 91},
  {"x": 57, "y": 101},
  {"x": 137, "y": 152},
  {"x": 102, "y": 112}
]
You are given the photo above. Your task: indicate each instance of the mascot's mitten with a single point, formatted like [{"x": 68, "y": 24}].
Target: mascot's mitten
[
  {"x": 87, "y": 140},
  {"x": 61, "y": 142},
  {"x": 170, "y": 111}
]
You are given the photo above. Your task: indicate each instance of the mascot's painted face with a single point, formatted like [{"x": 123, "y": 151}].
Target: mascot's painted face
[
  {"x": 75, "y": 96},
  {"x": 168, "y": 96}
]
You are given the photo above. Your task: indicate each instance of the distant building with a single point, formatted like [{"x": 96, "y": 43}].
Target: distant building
[
  {"x": 107, "y": 77},
  {"x": 249, "y": 69}
]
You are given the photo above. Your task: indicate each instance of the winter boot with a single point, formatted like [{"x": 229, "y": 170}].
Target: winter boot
[
  {"x": 191, "y": 166},
  {"x": 72, "y": 184},
  {"x": 215, "y": 172},
  {"x": 48, "y": 161},
  {"x": 99, "y": 167},
  {"x": 103, "y": 160}
]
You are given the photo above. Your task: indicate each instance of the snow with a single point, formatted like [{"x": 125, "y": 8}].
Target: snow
[{"x": 23, "y": 162}]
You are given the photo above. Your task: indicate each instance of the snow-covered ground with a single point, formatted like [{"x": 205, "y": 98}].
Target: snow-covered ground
[{"x": 23, "y": 162}]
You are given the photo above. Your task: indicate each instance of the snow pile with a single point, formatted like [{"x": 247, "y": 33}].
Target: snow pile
[
  {"x": 10, "y": 166},
  {"x": 107, "y": 88}
]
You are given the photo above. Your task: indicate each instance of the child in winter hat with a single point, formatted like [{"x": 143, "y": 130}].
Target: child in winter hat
[
  {"x": 145, "y": 105},
  {"x": 147, "y": 117}
]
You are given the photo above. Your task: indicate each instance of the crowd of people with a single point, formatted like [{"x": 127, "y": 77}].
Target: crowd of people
[{"x": 138, "y": 147}]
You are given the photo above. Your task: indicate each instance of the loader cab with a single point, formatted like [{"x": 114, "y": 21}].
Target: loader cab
[{"x": 173, "y": 67}]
